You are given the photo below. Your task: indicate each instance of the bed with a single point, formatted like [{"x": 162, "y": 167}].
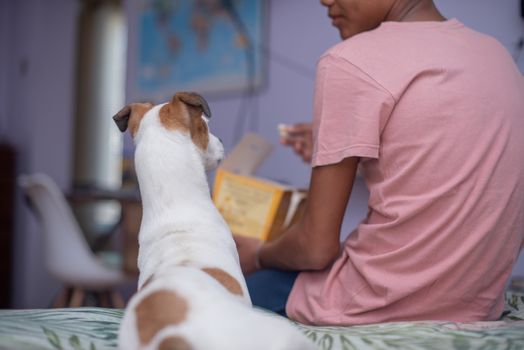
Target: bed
[{"x": 97, "y": 329}]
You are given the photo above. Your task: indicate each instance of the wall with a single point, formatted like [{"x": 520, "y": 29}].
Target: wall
[
  {"x": 37, "y": 45},
  {"x": 5, "y": 38},
  {"x": 37, "y": 103}
]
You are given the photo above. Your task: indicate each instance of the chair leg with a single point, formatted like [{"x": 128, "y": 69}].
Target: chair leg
[
  {"x": 104, "y": 299},
  {"x": 77, "y": 298},
  {"x": 117, "y": 300},
  {"x": 63, "y": 298}
]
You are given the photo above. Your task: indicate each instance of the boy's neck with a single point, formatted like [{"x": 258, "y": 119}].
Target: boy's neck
[{"x": 414, "y": 11}]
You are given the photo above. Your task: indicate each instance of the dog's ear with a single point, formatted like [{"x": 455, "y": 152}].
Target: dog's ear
[
  {"x": 194, "y": 100},
  {"x": 130, "y": 116},
  {"x": 122, "y": 118}
]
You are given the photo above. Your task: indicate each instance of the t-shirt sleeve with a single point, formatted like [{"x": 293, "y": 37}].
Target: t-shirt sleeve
[{"x": 350, "y": 111}]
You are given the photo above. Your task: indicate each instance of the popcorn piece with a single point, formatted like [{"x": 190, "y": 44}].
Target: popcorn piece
[{"x": 283, "y": 130}]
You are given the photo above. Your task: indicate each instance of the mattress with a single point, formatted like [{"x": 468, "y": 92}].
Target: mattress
[{"x": 91, "y": 328}]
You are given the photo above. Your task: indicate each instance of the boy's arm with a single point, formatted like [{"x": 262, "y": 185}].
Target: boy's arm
[{"x": 314, "y": 242}]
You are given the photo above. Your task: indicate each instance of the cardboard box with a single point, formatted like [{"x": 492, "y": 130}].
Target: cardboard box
[{"x": 253, "y": 206}]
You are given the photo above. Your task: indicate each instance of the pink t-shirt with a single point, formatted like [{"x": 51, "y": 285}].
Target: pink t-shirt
[{"x": 436, "y": 111}]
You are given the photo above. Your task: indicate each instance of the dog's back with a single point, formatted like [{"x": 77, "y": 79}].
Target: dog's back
[{"x": 190, "y": 310}]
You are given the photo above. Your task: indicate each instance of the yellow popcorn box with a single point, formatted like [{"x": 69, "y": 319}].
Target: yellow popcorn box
[{"x": 250, "y": 205}]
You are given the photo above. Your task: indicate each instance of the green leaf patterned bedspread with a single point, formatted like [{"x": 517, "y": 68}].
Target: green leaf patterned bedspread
[{"x": 97, "y": 329}]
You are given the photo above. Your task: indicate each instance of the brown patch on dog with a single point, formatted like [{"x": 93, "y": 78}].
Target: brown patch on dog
[
  {"x": 196, "y": 105},
  {"x": 130, "y": 116},
  {"x": 174, "y": 343},
  {"x": 138, "y": 110},
  {"x": 173, "y": 116},
  {"x": 199, "y": 133},
  {"x": 184, "y": 112},
  {"x": 228, "y": 281},
  {"x": 157, "y": 311}
]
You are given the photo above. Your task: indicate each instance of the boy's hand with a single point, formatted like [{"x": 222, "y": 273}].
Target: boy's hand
[
  {"x": 299, "y": 137},
  {"x": 248, "y": 249}
]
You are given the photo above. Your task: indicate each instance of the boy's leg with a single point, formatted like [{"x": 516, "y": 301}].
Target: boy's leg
[{"x": 270, "y": 289}]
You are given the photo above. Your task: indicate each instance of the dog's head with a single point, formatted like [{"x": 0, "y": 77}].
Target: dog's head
[{"x": 187, "y": 113}]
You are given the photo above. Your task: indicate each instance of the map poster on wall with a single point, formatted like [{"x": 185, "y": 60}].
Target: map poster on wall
[{"x": 207, "y": 46}]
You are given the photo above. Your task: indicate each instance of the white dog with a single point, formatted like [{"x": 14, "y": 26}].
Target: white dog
[{"x": 191, "y": 291}]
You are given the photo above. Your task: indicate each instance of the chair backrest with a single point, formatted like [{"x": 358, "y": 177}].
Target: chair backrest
[{"x": 67, "y": 252}]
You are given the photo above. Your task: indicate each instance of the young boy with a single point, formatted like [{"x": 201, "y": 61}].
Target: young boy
[{"x": 433, "y": 112}]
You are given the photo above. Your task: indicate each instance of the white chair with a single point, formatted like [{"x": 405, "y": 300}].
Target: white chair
[{"x": 67, "y": 255}]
